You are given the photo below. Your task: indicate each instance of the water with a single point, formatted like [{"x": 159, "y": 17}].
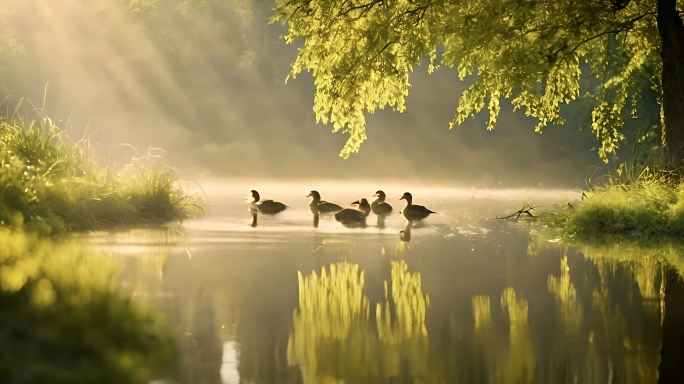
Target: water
[{"x": 469, "y": 299}]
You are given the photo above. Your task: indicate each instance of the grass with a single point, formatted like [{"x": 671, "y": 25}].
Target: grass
[
  {"x": 64, "y": 322},
  {"x": 50, "y": 184},
  {"x": 645, "y": 204}
]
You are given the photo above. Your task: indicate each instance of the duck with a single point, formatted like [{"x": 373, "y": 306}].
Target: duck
[
  {"x": 379, "y": 206},
  {"x": 414, "y": 212},
  {"x": 266, "y": 206},
  {"x": 320, "y": 206},
  {"x": 363, "y": 206},
  {"x": 352, "y": 215}
]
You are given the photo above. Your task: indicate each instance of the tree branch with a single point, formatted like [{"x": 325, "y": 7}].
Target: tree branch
[
  {"x": 524, "y": 210},
  {"x": 367, "y": 6}
]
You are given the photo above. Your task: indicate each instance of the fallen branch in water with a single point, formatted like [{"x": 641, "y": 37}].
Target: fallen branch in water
[{"x": 526, "y": 209}]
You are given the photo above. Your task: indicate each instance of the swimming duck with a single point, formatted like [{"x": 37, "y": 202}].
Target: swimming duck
[
  {"x": 351, "y": 215},
  {"x": 320, "y": 206},
  {"x": 414, "y": 212},
  {"x": 379, "y": 206},
  {"x": 266, "y": 206},
  {"x": 363, "y": 206}
]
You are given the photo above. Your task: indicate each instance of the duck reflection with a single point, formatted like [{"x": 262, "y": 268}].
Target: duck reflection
[
  {"x": 254, "y": 218},
  {"x": 380, "y": 221},
  {"x": 405, "y": 235}
]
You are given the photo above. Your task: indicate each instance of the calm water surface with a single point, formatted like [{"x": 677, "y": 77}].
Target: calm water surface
[{"x": 461, "y": 298}]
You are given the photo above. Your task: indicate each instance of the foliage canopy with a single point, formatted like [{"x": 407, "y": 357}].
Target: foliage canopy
[{"x": 530, "y": 52}]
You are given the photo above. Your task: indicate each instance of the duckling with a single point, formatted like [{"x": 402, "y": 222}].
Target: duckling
[
  {"x": 414, "y": 212},
  {"x": 266, "y": 206},
  {"x": 379, "y": 206},
  {"x": 320, "y": 206},
  {"x": 351, "y": 215}
]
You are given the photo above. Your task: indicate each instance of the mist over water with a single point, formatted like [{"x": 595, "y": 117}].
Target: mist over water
[
  {"x": 207, "y": 85},
  {"x": 469, "y": 298}
]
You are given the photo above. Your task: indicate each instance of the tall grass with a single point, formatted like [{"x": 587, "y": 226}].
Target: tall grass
[
  {"x": 644, "y": 203},
  {"x": 51, "y": 185}
]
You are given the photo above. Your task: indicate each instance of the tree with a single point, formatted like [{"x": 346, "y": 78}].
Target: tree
[{"x": 532, "y": 52}]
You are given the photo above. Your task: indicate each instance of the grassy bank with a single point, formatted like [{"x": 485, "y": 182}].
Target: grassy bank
[
  {"x": 49, "y": 184},
  {"x": 651, "y": 205},
  {"x": 63, "y": 319}
]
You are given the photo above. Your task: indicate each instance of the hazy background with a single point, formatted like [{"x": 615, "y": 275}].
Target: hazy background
[{"x": 204, "y": 81}]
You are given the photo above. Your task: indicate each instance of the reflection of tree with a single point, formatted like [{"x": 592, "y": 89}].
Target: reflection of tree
[
  {"x": 568, "y": 305},
  {"x": 334, "y": 339},
  {"x": 611, "y": 310},
  {"x": 672, "y": 352},
  {"x": 481, "y": 312},
  {"x": 519, "y": 364},
  {"x": 514, "y": 363},
  {"x": 609, "y": 316},
  {"x": 623, "y": 325},
  {"x": 486, "y": 347},
  {"x": 401, "y": 322},
  {"x": 331, "y": 306},
  {"x": 410, "y": 306}
]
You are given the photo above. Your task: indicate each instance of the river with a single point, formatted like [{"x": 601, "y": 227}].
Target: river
[{"x": 461, "y": 297}]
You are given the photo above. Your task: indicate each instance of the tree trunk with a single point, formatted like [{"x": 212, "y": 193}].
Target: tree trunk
[{"x": 671, "y": 32}]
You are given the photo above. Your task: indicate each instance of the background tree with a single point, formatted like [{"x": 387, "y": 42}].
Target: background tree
[{"x": 531, "y": 52}]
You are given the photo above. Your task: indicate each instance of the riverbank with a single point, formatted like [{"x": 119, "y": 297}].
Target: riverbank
[
  {"x": 651, "y": 206},
  {"x": 64, "y": 318},
  {"x": 52, "y": 185}
]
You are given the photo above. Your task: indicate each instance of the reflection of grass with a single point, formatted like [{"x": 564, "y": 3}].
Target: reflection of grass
[
  {"x": 634, "y": 251},
  {"x": 52, "y": 185},
  {"x": 62, "y": 322}
]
